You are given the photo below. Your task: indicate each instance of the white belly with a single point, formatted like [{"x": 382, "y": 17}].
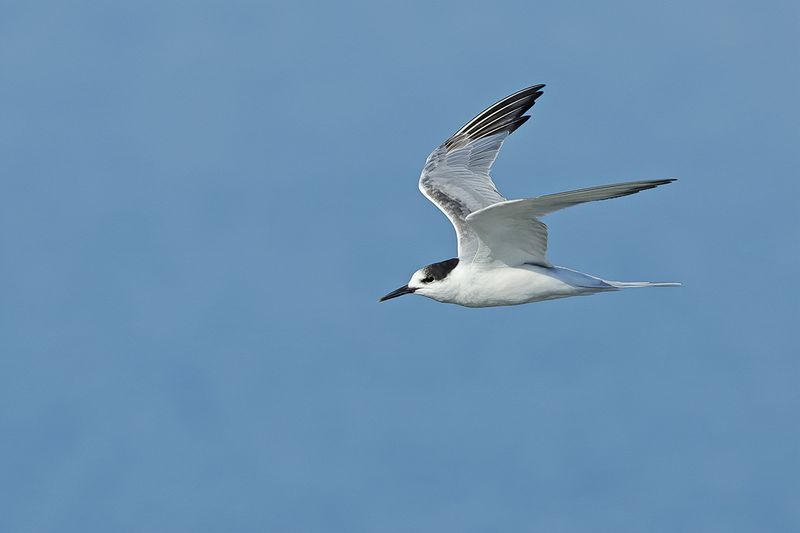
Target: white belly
[{"x": 519, "y": 285}]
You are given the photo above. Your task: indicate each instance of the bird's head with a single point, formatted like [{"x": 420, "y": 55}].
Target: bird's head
[{"x": 433, "y": 281}]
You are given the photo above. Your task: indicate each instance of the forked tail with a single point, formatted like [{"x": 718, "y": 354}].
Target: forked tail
[
  {"x": 595, "y": 284},
  {"x": 637, "y": 284}
]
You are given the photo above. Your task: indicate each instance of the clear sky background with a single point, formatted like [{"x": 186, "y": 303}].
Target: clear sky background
[{"x": 202, "y": 201}]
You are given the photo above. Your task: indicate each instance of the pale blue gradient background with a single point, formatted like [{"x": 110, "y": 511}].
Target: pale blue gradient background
[{"x": 201, "y": 203}]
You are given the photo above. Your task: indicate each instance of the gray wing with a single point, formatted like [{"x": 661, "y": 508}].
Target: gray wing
[
  {"x": 512, "y": 234},
  {"x": 456, "y": 175}
]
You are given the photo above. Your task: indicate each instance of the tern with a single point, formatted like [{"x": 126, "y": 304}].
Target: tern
[{"x": 502, "y": 244}]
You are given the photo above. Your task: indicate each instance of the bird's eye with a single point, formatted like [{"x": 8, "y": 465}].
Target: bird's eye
[{"x": 426, "y": 280}]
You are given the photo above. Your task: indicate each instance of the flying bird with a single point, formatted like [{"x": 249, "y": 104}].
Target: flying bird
[{"x": 502, "y": 244}]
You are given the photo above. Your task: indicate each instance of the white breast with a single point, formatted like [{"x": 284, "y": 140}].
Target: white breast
[{"x": 486, "y": 287}]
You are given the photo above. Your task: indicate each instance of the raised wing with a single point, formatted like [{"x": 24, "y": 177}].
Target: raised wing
[
  {"x": 456, "y": 174},
  {"x": 510, "y": 233}
]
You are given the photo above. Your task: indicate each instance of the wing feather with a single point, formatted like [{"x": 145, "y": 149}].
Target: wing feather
[
  {"x": 456, "y": 174},
  {"x": 511, "y": 233}
]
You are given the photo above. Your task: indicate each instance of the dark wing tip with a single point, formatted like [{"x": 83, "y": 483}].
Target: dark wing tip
[
  {"x": 505, "y": 115},
  {"x": 517, "y": 123},
  {"x": 652, "y": 184},
  {"x": 645, "y": 186}
]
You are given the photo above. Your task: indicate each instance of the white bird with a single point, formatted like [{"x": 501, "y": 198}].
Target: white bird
[{"x": 502, "y": 244}]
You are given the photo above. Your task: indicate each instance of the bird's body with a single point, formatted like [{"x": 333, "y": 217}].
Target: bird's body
[
  {"x": 502, "y": 243},
  {"x": 480, "y": 286}
]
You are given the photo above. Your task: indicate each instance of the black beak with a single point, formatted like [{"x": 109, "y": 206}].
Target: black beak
[{"x": 399, "y": 292}]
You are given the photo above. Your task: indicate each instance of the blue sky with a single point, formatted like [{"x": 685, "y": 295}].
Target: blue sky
[{"x": 203, "y": 201}]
